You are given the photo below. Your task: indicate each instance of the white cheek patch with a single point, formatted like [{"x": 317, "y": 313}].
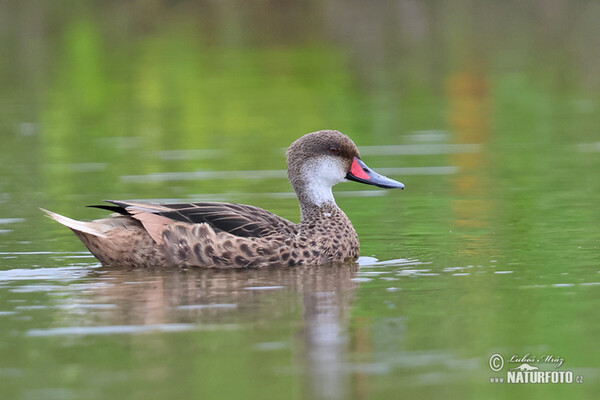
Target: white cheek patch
[{"x": 319, "y": 175}]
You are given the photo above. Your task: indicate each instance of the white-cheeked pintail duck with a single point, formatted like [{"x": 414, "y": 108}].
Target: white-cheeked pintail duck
[{"x": 225, "y": 235}]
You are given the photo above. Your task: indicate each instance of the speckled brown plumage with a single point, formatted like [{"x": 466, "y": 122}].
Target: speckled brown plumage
[{"x": 224, "y": 235}]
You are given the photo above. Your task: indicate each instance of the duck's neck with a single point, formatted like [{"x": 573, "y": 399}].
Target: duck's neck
[
  {"x": 315, "y": 201},
  {"x": 312, "y": 181}
]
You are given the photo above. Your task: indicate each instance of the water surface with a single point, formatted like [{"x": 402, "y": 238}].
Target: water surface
[{"x": 492, "y": 248}]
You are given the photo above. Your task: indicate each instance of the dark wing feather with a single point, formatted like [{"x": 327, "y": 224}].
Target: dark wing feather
[
  {"x": 115, "y": 209},
  {"x": 237, "y": 219}
]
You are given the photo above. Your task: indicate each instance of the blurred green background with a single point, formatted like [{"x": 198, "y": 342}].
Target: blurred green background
[{"x": 488, "y": 111}]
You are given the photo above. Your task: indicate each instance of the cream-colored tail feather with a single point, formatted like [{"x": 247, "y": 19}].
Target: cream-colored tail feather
[{"x": 92, "y": 228}]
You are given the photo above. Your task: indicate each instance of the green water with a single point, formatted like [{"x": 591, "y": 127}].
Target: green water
[{"x": 489, "y": 112}]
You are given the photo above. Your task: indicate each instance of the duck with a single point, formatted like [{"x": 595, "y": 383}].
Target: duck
[{"x": 229, "y": 235}]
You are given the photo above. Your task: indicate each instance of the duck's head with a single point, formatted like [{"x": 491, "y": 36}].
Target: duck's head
[{"x": 319, "y": 160}]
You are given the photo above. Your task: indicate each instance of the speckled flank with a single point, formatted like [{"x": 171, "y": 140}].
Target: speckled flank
[
  {"x": 224, "y": 235},
  {"x": 314, "y": 241}
]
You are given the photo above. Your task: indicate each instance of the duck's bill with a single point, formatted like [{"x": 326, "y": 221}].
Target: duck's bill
[{"x": 359, "y": 172}]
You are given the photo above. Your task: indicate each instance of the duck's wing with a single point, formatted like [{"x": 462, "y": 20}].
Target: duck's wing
[{"x": 237, "y": 219}]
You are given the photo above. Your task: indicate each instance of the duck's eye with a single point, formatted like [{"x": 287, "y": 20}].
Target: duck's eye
[{"x": 334, "y": 150}]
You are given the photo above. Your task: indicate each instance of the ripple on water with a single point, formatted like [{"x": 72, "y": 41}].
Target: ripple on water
[
  {"x": 374, "y": 262},
  {"x": 35, "y": 288},
  {"x": 11, "y": 220},
  {"x": 50, "y": 274},
  {"x": 264, "y": 287},
  {"x": 373, "y": 273},
  {"x": 126, "y": 329},
  {"x": 270, "y": 346},
  {"x": 207, "y": 306},
  {"x": 37, "y": 253},
  {"x": 369, "y": 263},
  {"x": 563, "y": 284},
  {"x": 414, "y": 272}
]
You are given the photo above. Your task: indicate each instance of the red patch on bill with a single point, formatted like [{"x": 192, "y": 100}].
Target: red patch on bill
[{"x": 357, "y": 171}]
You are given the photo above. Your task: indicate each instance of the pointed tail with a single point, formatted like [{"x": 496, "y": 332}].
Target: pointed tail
[{"x": 91, "y": 228}]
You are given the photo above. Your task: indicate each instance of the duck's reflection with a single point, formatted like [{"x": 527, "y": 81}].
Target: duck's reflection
[
  {"x": 243, "y": 297},
  {"x": 326, "y": 342}
]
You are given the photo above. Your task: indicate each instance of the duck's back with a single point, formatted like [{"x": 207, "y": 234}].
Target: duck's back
[{"x": 237, "y": 219}]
